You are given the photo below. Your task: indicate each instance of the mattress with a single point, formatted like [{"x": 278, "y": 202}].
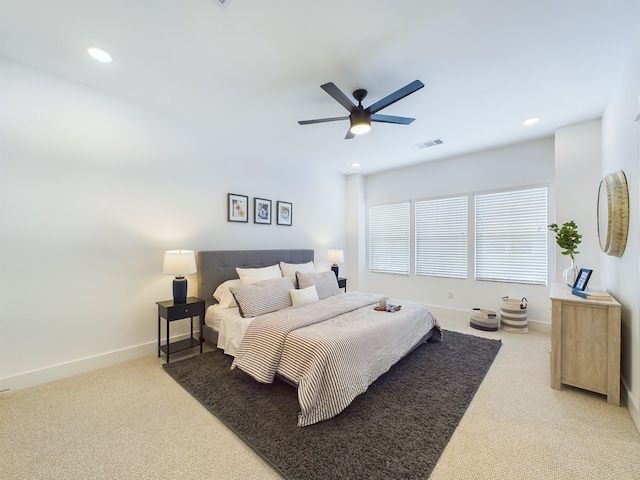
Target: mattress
[{"x": 229, "y": 325}]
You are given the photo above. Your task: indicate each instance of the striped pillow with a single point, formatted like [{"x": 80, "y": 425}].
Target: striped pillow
[
  {"x": 264, "y": 296},
  {"x": 290, "y": 269},
  {"x": 326, "y": 283}
]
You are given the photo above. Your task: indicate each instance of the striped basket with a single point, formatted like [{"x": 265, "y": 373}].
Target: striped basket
[
  {"x": 486, "y": 320},
  {"x": 513, "y": 313}
]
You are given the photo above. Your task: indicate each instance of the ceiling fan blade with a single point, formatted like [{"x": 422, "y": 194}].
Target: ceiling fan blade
[
  {"x": 349, "y": 135},
  {"x": 395, "y": 96},
  {"x": 338, "y": 96},
  {"x": 322, "y": 120},
  {"x": 391, "y": 119}
]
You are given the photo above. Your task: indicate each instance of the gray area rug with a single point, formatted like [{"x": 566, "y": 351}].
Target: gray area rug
[{"x": 396, "y": 430}]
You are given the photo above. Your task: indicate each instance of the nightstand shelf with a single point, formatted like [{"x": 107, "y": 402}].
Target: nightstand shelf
[
  {"x": 179, "y": 346},
  {"x": 170, "y": 311}
]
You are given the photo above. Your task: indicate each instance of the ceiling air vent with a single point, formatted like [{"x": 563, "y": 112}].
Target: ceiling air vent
[
  {"x": 222, "y": 3},
  {"x": 430, "y": 143}
]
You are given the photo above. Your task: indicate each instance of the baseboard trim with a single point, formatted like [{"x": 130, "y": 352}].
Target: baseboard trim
[
  {"x": 632, "y": 404},
  {"x": 64, "y": 370},
  {"x": 58, "y": 372},
  {"x": 465, "y": 315}
]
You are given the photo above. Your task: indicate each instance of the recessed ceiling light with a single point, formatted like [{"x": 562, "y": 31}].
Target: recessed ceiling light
[
  {"x": 355, "y": 164},
  {"x": 531, "y": 121},
  {"x": 100, "y": 54}
]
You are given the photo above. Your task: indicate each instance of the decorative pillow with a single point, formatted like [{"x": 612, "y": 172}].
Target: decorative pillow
[
  {"x": 304, "y": 295},
  {"x": 326, "y": 283},
  {"x": 224, "y": 296},
  {"x": 264, "y": 296},
  {"x": 290, "y": 269},
  {"x": 250, "y": 275}
]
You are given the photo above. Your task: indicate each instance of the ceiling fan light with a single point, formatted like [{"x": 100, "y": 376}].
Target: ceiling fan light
[
  {"x": 360, "y": 121},
  {"x": 360, "y": 128}
]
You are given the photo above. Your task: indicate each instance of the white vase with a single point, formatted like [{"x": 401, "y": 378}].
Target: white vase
[{"x": 570, "y": 274}]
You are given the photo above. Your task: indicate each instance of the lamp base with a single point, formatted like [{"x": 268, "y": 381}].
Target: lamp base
[
  {"x": 180, "y": 290},
  {"x": 334, "y": 269}
]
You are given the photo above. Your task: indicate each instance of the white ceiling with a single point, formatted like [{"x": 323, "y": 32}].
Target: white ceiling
[{"x": 249, "y": 71}]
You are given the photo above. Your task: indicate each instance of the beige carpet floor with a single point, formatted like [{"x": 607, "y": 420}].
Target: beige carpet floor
[{"x": 132, "y": 421}]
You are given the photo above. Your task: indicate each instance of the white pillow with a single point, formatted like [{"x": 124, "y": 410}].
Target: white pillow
[
  {"x": 289, "y": 269},
  {"x": 264, "y": 296},
  {"x": 224, "y": 296},
  {"x": 251, "y": 275},
  {"x": 326, "y": 283},
  {"x": 304, "y": 295}
]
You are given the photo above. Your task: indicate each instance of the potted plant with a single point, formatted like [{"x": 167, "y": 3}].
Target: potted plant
[{"x": 568, "y": 239}]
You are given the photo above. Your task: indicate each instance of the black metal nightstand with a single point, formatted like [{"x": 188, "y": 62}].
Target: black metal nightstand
[
  {"x": 342, "y": 283},
  {"x": 178, "y": 311}
]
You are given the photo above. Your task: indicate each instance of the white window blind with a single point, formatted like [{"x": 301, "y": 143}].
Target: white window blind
[
  {"x": 442, "y": 237},
  {"x": 389, "y": 238},
  {"x": 511, "y": 236}
]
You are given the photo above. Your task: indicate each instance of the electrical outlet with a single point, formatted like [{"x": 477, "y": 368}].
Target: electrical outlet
[{"x": 450, "y": 294}]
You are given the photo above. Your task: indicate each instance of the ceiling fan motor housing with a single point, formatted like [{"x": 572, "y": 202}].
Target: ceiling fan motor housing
[
  {"x": 360, "y": 94},
  {"x": 359, "y": 116}
]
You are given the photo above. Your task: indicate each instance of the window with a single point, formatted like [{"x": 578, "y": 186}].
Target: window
[
  {"x": 389, "y": 238},
  {"x": 441, "y": 237},
  {"x": 511, "y": 236}
]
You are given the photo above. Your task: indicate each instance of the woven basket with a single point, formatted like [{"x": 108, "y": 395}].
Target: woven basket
[
  {"x": 513, "y": 313},
  {"x": 483, "y": 319}
]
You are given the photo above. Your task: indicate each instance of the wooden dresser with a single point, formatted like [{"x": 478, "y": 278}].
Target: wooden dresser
[{"x": 585, "y": 343}]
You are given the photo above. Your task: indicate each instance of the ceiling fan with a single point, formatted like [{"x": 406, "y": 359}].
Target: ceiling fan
[{"x": 360, "y": 117}]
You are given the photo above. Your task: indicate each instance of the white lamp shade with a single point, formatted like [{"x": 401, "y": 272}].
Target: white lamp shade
[
  {"x": 179, "y": 262},
  {"x": 335, "y": 255}
]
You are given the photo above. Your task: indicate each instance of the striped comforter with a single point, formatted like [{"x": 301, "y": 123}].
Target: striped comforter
[{"x": 332, "y": 349}]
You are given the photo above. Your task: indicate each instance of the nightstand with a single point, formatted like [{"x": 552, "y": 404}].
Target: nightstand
[
  {"x": 178, "y": 311},
  {"x": 342, "y": 283}
]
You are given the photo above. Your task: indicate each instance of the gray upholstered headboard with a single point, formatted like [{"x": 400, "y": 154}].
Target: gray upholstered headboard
[{"x": 214, "y": 267}]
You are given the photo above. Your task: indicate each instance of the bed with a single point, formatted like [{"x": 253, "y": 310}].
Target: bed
[{"x": 330, "y": 349}]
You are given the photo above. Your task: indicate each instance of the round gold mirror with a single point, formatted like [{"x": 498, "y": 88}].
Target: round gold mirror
[{"x": 613, "y": 213}]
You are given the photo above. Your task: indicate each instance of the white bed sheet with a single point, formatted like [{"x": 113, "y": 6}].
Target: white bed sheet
[{"x": 229, "y": 325}]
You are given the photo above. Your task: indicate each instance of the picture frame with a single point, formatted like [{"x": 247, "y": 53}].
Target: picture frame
[
  {"x": 237, "y": 208},
  {"x": 261, "y": 211},
  {"x": 284, "y": 213},
  {"x": 582, "y": 279}
]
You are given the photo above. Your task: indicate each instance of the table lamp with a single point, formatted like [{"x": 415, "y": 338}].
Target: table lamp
[
  {"x": 179, "y": 263},
  {"x": 335, "y": 256}
]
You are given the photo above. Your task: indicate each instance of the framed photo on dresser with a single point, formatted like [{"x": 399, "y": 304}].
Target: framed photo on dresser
[{"x": 583, "y": 278}]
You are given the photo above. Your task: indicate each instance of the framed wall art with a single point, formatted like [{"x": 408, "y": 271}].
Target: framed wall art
[
  {"x": 237, "y": 208},
  {"x": 284, "y": 213},
  {"x": 262, "y": 211}
]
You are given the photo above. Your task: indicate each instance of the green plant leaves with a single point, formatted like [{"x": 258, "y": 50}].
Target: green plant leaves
[{"x": 567, "y": 237}]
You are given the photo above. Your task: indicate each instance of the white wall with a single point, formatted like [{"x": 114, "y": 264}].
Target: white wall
[
  {"x": 530, "y": 163},
  {"x": 93, "y": 189},
  {"x": 356, "y": 231},
  {"x": 621, "y": 151},
  {"x": 577, "y": 175}
]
